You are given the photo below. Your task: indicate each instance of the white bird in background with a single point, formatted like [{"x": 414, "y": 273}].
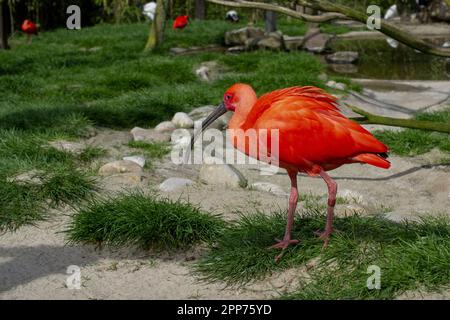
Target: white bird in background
[
  {"x": 232, "y": 16},
  {"x": 149, "y": 10},
  {"x": 391, "y": 13}
]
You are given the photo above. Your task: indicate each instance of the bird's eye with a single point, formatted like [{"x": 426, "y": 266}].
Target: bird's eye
[{"x": 228, "y": 97}]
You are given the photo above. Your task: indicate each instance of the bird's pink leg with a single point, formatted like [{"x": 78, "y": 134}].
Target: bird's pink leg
[
  {"x": 332, "y": 190},
  {"x": 293, "y": 198}
]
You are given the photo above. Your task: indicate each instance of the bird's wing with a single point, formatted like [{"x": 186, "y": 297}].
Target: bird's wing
[{"x": 312, "y": 128}]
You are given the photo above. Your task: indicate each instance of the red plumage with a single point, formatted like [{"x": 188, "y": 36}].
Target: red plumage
[
  {"x": 180, "y": 22},
  {"x": 313, "y": 133},
  {"x": 29, "y": 27},
  {"x": 314, "y": 137}
]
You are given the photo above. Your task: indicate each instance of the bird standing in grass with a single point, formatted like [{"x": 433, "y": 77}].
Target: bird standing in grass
[
  {"x": 180, "y": 22},
  {"x": 29, "y": 28},
  {"x": 314, "y": 137}
]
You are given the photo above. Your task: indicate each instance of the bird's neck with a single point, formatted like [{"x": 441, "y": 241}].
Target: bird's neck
[{"x": 241, "y": 113}]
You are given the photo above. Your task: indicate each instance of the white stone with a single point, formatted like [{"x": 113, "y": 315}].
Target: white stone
[
  {"x": 118, "y": 167},
  {"x": 269, "y": 187},
  {"x": 223, "y": 175},
  {"x": 29, "y": 177},
  {"x": 201, "y": 112},
  {"x": 68, "y": 146},
  {"x": 336, "y": 85},
  {"x": 203, "y": 73},
  {"x": 173, "y": 184},
  {"x": 136, "y": 159},
  {"x": 182, "y": 120},
  {"x": 180, "y": 136},
  {"x": 165, "y": 126},
  {"x": 148, "y": 135}
]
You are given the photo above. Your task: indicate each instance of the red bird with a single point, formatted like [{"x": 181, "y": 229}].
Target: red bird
[
  {"x": 30, "y": 28},
  {"x": 180, "y": 22},
  {"x": 314, "y": 137}
]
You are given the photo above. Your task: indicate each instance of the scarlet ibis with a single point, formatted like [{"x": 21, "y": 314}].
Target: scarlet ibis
[
  {"x": 180, "y": 22},
  {"x": 30, "y": 28},
  {"x": 314, "y": 137}
]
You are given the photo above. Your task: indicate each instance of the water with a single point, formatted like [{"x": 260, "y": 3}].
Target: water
[{"x": 377, "y": 60}]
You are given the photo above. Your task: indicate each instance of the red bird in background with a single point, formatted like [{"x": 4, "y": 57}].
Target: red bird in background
[
  {"x": 180, "y": 22},
  {"x": 29, "y": 28},
  {"x": 314, "y": 137}
]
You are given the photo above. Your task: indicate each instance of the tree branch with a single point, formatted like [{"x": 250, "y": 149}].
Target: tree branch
[
  {"x": 342, "y": 12},
  {"x": 271, "y": 7},
  {"x": 368, "y": 118}
]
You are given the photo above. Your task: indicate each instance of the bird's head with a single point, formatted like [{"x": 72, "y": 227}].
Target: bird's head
[{"x": 238, "y": 98}]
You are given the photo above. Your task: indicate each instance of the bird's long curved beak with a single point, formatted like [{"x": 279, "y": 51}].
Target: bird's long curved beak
[{"x": 220, "y": 110}]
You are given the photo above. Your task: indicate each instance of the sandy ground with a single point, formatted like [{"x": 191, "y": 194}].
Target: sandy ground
[{"x": 34, "y": 260}]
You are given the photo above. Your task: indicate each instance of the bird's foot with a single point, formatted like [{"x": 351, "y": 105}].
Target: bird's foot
[
  {"x": 324, "y": 236},
  {"x": 282, "y": 244}
]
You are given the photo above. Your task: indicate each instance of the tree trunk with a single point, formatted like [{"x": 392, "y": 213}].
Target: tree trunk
[
  {"x": 200, "y": 9},
  {"x": 271, "y": 21},
  {"x": 4, "y": 25},
  {"x": 156, "y": 35}
]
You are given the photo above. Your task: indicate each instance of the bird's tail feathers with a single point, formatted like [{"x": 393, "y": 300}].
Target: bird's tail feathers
[{"x": 373, "y": 159}]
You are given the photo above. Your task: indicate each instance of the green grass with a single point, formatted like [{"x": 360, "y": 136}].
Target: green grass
[
  {"x": 55, "y": 79},
  {"x": 63, "y": 178},
  {"x": 412, "y": 142},
  {"x": 410, "y": 256},
  {"x": 156, "y": 150},
  {"x": 65, "y": 82},
  {"x": 134, "y": 219}
]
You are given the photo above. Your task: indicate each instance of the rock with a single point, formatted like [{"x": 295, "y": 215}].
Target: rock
[
  {"x": 116, "y": 182},
  {"x": 149, "y": 135},
  {"x": 440, "y": 10},
  {"x": 342, "y": 57},
  {"x": 293, "y": 43},
  {"x": 178, "y": 50},
  {"x": 203, "y": 73},
  {"x": 318, "y": 43},
  {"x": 173, "y": 184},
  {"x": 272, "y": 41},
  {"x": 344, "y": 68},
  {"x": 182, "y": 120},
  {"x": 136, "y": 159},
  {"x": 223, "y": 175},
  {"x": 29, "y": 177},
  {"x": 269, "y": 187},
  {"x": 210, "y": 71},
  {"x": 201, "y": 112},
  {"x": 165, "y": 126},
  {"x": 219, "y": 124},
  {"x": 118, "y": 167},
  {"x": 240, "y": 36},
  {"x": 336, "y": 85},
  {"x": 68, "y": 146},
  {"x": 236, "y": 49},
  {"x": 180, "y": 136}
]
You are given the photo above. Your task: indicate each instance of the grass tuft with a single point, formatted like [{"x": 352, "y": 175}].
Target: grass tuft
[
  {"x": 144, "y": 221},
  {"x": 410, "y": 142},
  {"x": 410, "y": 255}
]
